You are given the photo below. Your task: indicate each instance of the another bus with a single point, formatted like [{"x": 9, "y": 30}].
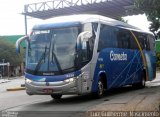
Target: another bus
[{"x": 87, "y": 54}]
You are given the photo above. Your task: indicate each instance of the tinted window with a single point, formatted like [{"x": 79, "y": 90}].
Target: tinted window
[
  {"x": 113, "y": 37},
  {"x": 123, "y": 38},
  {"x": 146, "y": 43},
  {"x": 151, "y": 41},
  {"x": 133, "y": 42},
  {"x": 108, "y": 37},
  {"x": 143, "y": 40}
]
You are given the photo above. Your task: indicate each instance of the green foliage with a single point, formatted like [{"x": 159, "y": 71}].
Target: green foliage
[
  {"x": 157, "y": 45},
  {"x": 152, "y": 9},
  {"x": 7, "y": 52},
  {"x": 158, "y": 59}
]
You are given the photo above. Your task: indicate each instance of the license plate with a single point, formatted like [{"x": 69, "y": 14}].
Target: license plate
[{"x": 48, "y": 90}]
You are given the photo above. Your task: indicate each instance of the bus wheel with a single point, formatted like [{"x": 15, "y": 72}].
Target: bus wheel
[
  {"x": 56, "y": 96},
  {"x": 142, "y": 83},
  {"x": 100, "y": 90}
]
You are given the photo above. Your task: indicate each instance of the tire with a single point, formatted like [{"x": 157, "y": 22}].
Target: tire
[
  {"x": 56, "y": 96},
  {"x": 100, "y": 90},
  {"x": 142, "y": 83}
]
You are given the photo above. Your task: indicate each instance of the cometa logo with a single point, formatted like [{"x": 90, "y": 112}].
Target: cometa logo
[{"x": 118, "y": 56}]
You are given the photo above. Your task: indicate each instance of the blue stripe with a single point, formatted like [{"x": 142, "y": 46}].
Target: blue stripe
[{"x": 56, "y": 25}]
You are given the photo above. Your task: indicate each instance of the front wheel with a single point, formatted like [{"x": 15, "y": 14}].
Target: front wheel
[
  {"x": 56, "y": 96},
  {"x": 100, "y": 90}
]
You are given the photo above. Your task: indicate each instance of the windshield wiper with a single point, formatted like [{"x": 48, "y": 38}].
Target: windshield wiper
[
  {"x": 54, "y": 56},
  {"x": 40, "y": 61},
  {"x": 57, "y": 62}
]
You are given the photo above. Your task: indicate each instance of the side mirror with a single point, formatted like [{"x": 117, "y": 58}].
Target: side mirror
[
  {"x": 19, "y": 41},
  {"x": 83, "y": 46},
  {"x": 85, "y": 36}
]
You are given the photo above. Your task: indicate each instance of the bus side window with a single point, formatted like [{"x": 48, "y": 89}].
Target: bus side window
[
  {"x": 107, "y": 38},
  {"x": 146, "y": 42},
  {"x": 151, "y": 41},
  {"x": 133, "y": 42},
  {"x": 123, "y": 39},
  {"x": 141, "y": 39}
]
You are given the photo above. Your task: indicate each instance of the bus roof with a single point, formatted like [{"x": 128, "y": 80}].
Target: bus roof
[{"x": 75, "y": 20}]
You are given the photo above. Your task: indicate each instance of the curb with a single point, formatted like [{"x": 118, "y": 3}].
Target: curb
[
  {"x": 16, "y": 89},
  {"x": 22, "y": 85}
]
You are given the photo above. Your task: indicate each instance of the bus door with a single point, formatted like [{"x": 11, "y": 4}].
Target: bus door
[
  {"x": 85, "y": 46},
  {"x": 84, "y": 53}
]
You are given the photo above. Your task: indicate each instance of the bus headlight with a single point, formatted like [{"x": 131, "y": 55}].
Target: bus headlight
[
  {"x": 28, "y": 80},
  {"x": 69, "y": 80}
]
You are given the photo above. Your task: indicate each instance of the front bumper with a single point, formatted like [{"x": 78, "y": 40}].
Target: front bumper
[{"x": 47, "y": 88}]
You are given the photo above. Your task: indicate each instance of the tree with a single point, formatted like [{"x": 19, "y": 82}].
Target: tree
[
  {"x": 7, "y": 52},
  {"x": 152, "y": 10},
  {"x": 122, "y": 20}
]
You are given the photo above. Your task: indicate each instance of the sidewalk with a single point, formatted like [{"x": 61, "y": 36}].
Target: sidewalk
[
  {"x": 147, "y": 99},
  {"x": 4, "y": 81},
  {"x": 8, "y": 79},
  {"x": 11, "y": 82}
]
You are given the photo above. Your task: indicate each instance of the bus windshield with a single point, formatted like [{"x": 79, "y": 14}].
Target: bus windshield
[{"x": 52, "y": 51}]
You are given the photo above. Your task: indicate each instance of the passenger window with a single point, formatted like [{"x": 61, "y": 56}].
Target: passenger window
[
  {"x": 133, "y": 42},
  {"x": 143, "y": 40},
  {"x": 151, "y": 41},
  {"x": 107, "y": 37},
  {"x": 146, "y": 43},
  {"x": 123, "y": 38}
]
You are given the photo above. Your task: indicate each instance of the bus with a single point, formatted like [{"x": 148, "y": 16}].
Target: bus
[{"x": 83, "y": 54}]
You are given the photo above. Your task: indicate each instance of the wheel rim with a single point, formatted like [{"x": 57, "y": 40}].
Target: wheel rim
[
  {"x": 100, "y": 88},
  {"x": 143, "y": 82}
]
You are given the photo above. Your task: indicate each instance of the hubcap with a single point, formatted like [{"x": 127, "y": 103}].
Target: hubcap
[
  {"x": 100, "y": 88},
  {"x": 143, "y": 82}
]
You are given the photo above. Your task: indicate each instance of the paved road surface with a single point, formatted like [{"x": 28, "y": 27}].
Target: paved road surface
[{"x": 122, "y": 99}]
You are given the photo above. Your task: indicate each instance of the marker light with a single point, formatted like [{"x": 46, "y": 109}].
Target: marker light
[
  {"x": 69, "y": 80},
  {"x": 28, "y": 80}
]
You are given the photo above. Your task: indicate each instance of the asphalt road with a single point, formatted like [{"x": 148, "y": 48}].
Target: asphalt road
[{"x": 19, "y": 104}]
